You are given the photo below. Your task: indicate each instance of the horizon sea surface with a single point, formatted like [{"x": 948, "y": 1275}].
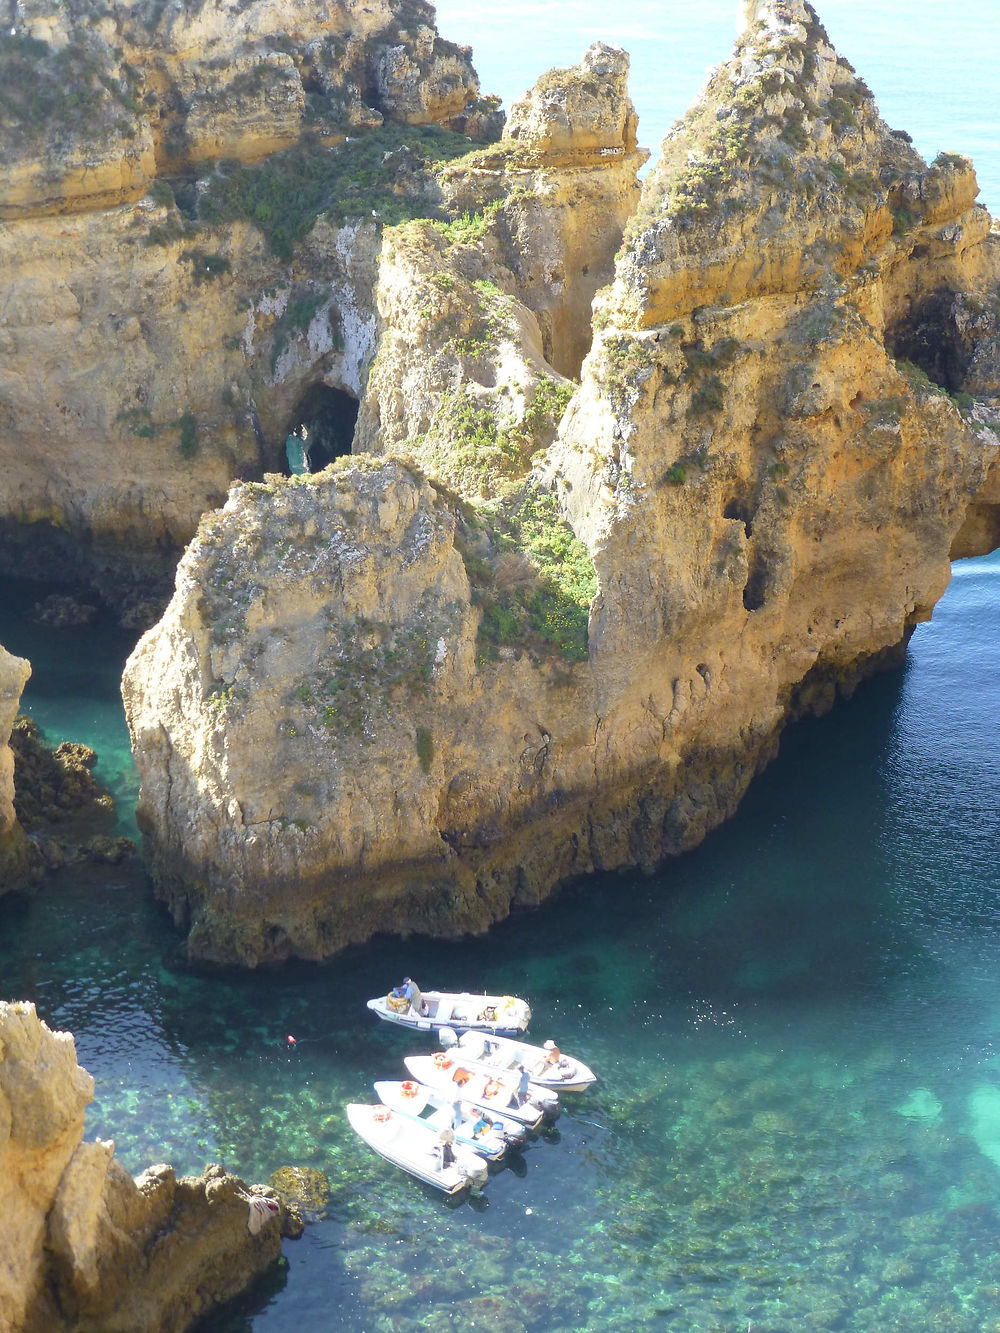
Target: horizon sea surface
[
  {"x": 932, "y": 67},
  {"x": 795, "y": 1027}
]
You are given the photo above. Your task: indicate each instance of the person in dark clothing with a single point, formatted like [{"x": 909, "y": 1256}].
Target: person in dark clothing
[{"x": 446, "y": 1140}]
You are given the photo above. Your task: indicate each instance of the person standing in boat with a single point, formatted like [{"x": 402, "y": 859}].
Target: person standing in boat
[
  {"x": 457, "y": 1114},
  {"x": 522, "y": 1085},
  {"x": 412, "y": 992}
]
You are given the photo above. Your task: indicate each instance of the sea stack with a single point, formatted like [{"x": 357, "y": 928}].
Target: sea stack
[
  {"x": 86, "y": 1248},
  {"x": 541, "y": 628}
]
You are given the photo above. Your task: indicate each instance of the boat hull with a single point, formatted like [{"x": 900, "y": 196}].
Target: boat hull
[
  {"x": 498, "y": 1015},
  {"x": 428, "y": 1106},
  {"x": 475, "y": 1090},
  {"x": 569, "y": 1075},
  {"x": 412, "y": 1148}
]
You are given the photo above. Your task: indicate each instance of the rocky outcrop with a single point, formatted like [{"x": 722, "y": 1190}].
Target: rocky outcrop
[
  {"x": 482, "y": 322},
  {"x": 86, "y": 1248},
  {"x": 97, "y": 106},
  {"x": 391, "y": 697},
  {"x": 62, "y": 807},
  {"x": 159, "y": 167},
  {"x": 16, "y": 861}
]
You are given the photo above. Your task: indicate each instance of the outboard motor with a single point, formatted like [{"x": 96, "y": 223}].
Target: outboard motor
[
  {"x": 448, "y": 1038},
  {"x": 475, "y": 1170},
  {"x": 548, "y": 1103},
  {"x": 514, "y": 1138}
]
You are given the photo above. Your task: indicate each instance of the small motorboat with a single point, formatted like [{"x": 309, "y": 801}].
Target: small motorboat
[
  {"x": 548, "y": 1067},
  {"x": 416, "y": 1147},
  {"x": 489, "y": 1091},
  {"x": 486, "y": 1132},
  {"x": 505, "y": 1015}
]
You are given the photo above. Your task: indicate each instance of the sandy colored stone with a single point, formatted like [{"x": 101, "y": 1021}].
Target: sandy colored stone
[
  {"x": 16, "y": 859},
  {"x": 83, "y": 1246},
  {"x": 762, "y": 459}
]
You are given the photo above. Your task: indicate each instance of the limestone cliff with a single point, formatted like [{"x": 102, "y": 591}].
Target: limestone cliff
[
  {"x": 402, "y": 697},
  {"x": 98, "y": 104},
  {"x": 15, "y": 857},
  {"x": 170, "y": 310},
  {"x": 87, "y": 1249}
]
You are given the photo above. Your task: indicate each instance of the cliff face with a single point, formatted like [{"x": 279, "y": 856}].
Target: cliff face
[
  {"x": 14, "y": 853},
  {"x": 85, "y": 1247},
  {"x": 159, "y": 168},
  {"x": 99, "y": 106},
  {"x": 385, "y": 697}
]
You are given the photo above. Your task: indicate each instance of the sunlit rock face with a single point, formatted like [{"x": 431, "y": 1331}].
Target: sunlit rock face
[
  {"x": 170, "y": 301},
  {"x": 87, "y": 1249},
  {"x": 98, "y": 106},
  {"x": 15, "y": 855},
  {"x": 372, "y": 703}
]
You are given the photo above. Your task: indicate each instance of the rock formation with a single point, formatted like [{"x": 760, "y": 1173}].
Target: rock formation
[
  {"x": 87, "y": 1249},
  {"x": 15, "y": 855},
  {"x": 158, "y": 164},
  {"x": 411, "y": 692}
]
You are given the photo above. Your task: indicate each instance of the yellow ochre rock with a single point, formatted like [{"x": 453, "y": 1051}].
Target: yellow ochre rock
[
  {"x": 563, "y": 628},
  {"x": 86, "y": 1248}
]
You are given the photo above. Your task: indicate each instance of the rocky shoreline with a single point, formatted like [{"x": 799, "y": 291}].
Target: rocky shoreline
[
  {"x": 543, "y": 628},
  {"x": 87, "y": 1249}
]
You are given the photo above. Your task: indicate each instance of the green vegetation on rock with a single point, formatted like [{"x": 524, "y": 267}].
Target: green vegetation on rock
[
  {"x": 285, "y": 193},
  {"x": 45, "y": 90},
  {"x": 530, "y": 573}
]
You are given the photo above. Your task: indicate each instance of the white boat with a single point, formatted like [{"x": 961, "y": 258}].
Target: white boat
[
  {"x": 505, "y": 1015},
  {"x": 487, "y": 1133},
  {"x": 481, "y": 1051},
  {"x": 496, "y": 1091},
  {"x": 415, "y": 1147}
]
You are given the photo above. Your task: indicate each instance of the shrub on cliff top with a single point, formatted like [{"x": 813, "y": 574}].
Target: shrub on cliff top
[
  {"x": 45, "y": 89},
  {"x": 284, "y": 194}
]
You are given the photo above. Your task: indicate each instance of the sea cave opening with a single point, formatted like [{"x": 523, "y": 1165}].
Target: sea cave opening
[
  {"x": 321, "y": 429},
  {"x": 929, "y": 338}
]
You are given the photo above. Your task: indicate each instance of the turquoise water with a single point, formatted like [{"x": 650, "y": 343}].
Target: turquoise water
[
  {"x": 932, "y": 67},
  {"x": 759, "y": 1013}
]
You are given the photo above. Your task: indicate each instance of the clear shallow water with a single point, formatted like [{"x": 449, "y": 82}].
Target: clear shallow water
[
  {"x": 759, "y": 1012},
  {"x": 932, "y": 67}
]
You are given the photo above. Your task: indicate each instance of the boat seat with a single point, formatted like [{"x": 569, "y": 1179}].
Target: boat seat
[{"x": 443, "y": 1012}]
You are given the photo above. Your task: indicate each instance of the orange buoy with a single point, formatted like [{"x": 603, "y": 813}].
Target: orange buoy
[
  {"x": 409, "y": 1089},
  {"x": 441, "y": 1061}
]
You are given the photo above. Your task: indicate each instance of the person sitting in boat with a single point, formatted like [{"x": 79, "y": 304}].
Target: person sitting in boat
[
  {"x": 412, "y": 992},
  {"x": 521, "y": 1096},
  {"x": 482, "y": 1126},
  {"x": 447, "y": 1152},
  {"x": 550, "y": 1060}
]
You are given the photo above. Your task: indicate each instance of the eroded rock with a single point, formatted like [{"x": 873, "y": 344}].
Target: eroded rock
[
  {"x": 371, "y": 705},
  {"x": 87, "y": 1248}
]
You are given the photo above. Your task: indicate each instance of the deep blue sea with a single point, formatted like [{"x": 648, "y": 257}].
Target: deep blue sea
[{"x": 796, "y": 1026}]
